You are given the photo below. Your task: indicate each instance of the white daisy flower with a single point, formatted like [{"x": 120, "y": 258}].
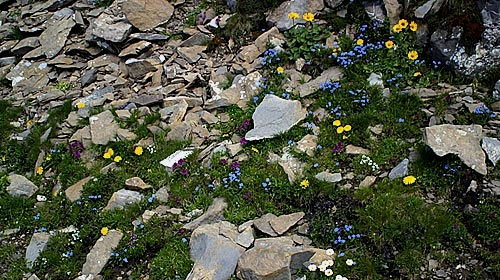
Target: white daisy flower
[
  {"x": 349, "y": 262},
  {"x": 338, "y": 277},
  {"x": 322, "y": 267},
  {"x": 330, "y": 252},
  {"x": 324, "y": 263},
  {"x": 312, "y": 267},
  {"x": 328, "y": 272},
  {"x": 330, "y": 262}
]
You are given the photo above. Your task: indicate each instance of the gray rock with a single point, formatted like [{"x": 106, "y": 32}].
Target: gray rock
[
  {"x": 215, "y": 256},
  {"x": 461, "y": 140},
  {"x": 191, "y": 54},
  {"x": 180, "y": 131},
  {"x": 53, "y": 38},
  {"x": 290, "y": 164},
  {"x": 174, "y": 113},
  {"x": 400, "y": 170},
  {"x": 147, "y": 14},
  {"x": 138, "y": 68},
  {"x": 333, "y": 3},
  {"x": 240, "y": 92},
  {"x": 374, "y": 9},
  {"x": 431, "y": 6},
  {"x": 28, "y": 77},
  {"x": 88, "y": 77},
  {"x": 246, "y": 237},
  {"x": 25, "y": 45},
  {"x": 4, "y": 61},
  {"x": 101, "y": 252},
  {"x": 38, "y": 244},
  {"x": 110, "y": 28},
  {"x": 122, "y": 199},
  {"x": 103, "y": 128},
  {"x": 354, "y": 150},
  {"x": 20, "y": 186},
  {"x": 492, "y": 148},
  {"x": 196, "y": 39},
  {"x": 263, "y": 224},
  {"x": 274, "y": 116},
  {"x": 172, "y": 159},
  {"x": 393, "y": 9},
  {"x": 331, "y": 74},
  {"x": 162, "y": 194},
  {"x": 308, "y": 144},
  {"x": 136, "y": 183},
  {"x": 329, "y": 177},
  {"x": 96, "y": 98},
  {"x": 279, "y": 16},
  {"x": 147, "y": 99},
  {"x": 74, "y": 192},
  {"x": 135, "y": 48},
  {"x": 149, "y": 36},
  {"x": 283, "y": 223},
  {"x": 214, "y": 213},
  {"x": 375, "y": 80},
  {"x": 367, "y": 181}
]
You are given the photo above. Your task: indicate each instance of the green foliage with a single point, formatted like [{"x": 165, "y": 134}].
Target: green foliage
[
  {"x": 64, "y": 86},
  {"x": 302, "y": 41}
]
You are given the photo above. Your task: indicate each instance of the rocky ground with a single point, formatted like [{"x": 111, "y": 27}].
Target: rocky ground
[{"x": 265, "y": 139}]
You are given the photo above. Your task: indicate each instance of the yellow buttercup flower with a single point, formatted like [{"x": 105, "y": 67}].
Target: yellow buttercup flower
[
  {"x": 397, "y": 28},
  {"x": 39, "y": 171},
  {"x": 416, "y": 74},
  {"x": 106, "y": 155},
  {"x": 280, "y": 69},
  {"x": 389, "y": 44},
  {"x": 255, "y": 150},
  {"x": 29, "y": 123},
  {"x": 413, "y": 26},
  {"x": 360, "y": 42},
  {"x": 110, "y": 151},
  {"x": 345, "y": 137},
  {"x": 347, "y": 128},
  {"x": 104, "y": 231},
  {"x": 408, "y": 180},
  {"x": 340, "y": 129},
  {"x": 293, "y": 15},
  {"x": 80, "y": 105},
  {"x": 48, "y": 157},
  {"x": 305, "y": 183},
  {"x": 413, "y": 55},
  {"x": 117, "y": 159},
  {"x": 403, "y": 23},
  {"x": 138, "y": 150},
  {"x": 336, "y": 123},
  {"x": 308, "y": 16}
]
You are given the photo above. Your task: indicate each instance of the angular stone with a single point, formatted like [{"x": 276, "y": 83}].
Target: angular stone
[
  {"x": 246, "y": 237},
  {"x": 307, "y": 144},
  {"x": 240, "y": 92},
  {"x": 461, "y": 140},
  {"x": 354, "y": 150},
  {"x": 38, "y": 244},
  {"x": 180, "y": 131},
  {"x": 162, "y": 194},
  {"x": 53, "y": 38},
  {"x": 88, "y": 77},
  {"x": 136, "y": 183},
  {"x": 147, "y": 99},
  {"x": 492, "y": 148},
  {"x": 20, "y": 186},
  {"x": 174, "y": 113},
  {"x": 329, "y": 177},
  {"x": 74, "y": 192},
  {"x": 135, "y": 48},
  {"x": 103, "y": 128},
  {"x": 290, "y": 164},
  {"x": 264, "y": 224},
  {"x": 279, "y": 16},
  {"x": 110, "y": 28},
  {"x": 400, "y": 170},
  {"x": 329, "y": 75},
  {"x": 138, "y": 68},
  {"x": 393, "y": 9},
  {"x": 101, "y": 252},
  {"x": 147, "y": 14},
  {"x": 368, "y": 181},
  {"x": 122, "y": 199},
  {"x": 274, "y": 116},
  {"x": 213, "y": 214},
  {"x": 375, "y": 80},
  {"x": 191, "y": 54},
  {"x": 172, "y": 159},
  {"x": 283, "y": 223},
  {"x": 25, "y": 45},
  {"x": 28, "y": 77}
]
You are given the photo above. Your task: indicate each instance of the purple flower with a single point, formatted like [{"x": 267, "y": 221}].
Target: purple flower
[
  {"x": 235, "y": 165},
  {"x": 243, "y": 141},
  {"x": 184, "y": 172}
]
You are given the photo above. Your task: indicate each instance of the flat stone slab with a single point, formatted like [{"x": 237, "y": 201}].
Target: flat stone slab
[
  {"x": 172, "y": 159},
  {"x": 492, "y": 148},
  {"x": 123, "y": 198},
  {"x": 20, "y": 186},
  {"x": 101, "y": 252}
]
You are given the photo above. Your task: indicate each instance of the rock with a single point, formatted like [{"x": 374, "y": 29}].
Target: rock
[
  {"x": 162, "y": 194},
  {"x": 180, "y": 131},
  {"x": 174, "y": 158},
  {"x": 110, "y": 28},
  {"x": 330, "y": 75},
  {"x": 103, "y": 128},
  {"x": 215, "y": 256},
  {"x": 147, "y": 14},
  {"x": 354, "y": 150},
  {"x": 27, "y": 77},
  {"x": 400, "y": 170},
  {"x": 174, "y": 113},
  {"x": 307, "y": 144},
  {"x": 191, "y": 54},
  {"x": 492, "y": 148},
  {"x": 393, "y": 9},
  {"x": 97, "y": 98},
  {"x": 138, "y": 68},
  {"x": 461, "y": 140},
  {"x": 53, "y": 38},
  {"x": 375, "y": 80},
  {"x": 101, "y": 252},
  {"x": 147, "y": 99},
  {"x": 136, "y": 183},
  {"x": 240, "y": 92},
  {"x": 367, "y": 182},
  {"x": 432, "y": 6},
  {"x": 283, "y": 223},
  {"x": 291, "y": 165},
  {"x": 20, "y": 186},
  {"x": 329, "y": 177},
  {"x": 213, "y": 214},
  {"x": 196, "y": 39},
  {"x": 135, "y": 48},
  {"x": 38, "y": 244},
  {"x": 149, "y": 36},
  {"x": 273, "y": 116},
  {"x": 123, "y": 198},
  {"x": 333, "y": 3},
  {"x": 264, "y": 224},
  {"x": 25, "y": 45},
  {"x": 246, "y": 237},
  {"x": 74, "y": 192},
  {"x": 279, "y": 16}
]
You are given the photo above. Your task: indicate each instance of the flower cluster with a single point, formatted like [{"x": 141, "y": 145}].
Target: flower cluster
[
  {"x": 233, "y": 177},
  {"x": 363, "y": 100},
  {"x": 483, "y": 110},
  {"x": 76, "y": 148},
  {"x": 270, "y": 57},
  {"x": 366, "y": 160},
  {"x": 341, "y": 129},
  {"x": 403, "y": 24},
  {"x": 306, "y": 16},
  {"x": 266, "y": 184},
  {"x": 335, "y": 110},
  {"x": 110, "y": 153},
  {"x": 178, "y": 166},
  {"x": 330, "y": 86}
]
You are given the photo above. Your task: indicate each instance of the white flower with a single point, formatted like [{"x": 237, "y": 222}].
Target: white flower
[
  {"x": 330, "y": 262},
  {"x": 324, "y": 263},
  {"x": 344, "y": 278},
  {"x": 349, "y": 262},
  {"x": 322, "y": 267},
  {"x": 328, "y": 272},
  {"x": 338, "y": 277},
  {"x": 330, "y": 252},
  {"x": 312, "y": 267}
]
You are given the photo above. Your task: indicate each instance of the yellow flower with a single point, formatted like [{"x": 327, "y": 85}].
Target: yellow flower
[
  {"x": 293, "y": 15},
  {"x": 39, "y": 171},
  {"x": 149, "y": 170},
  {"x": 48, "y": 157},
  {"x": 308, "y": 16},
  {"x": 4, "y": 158},
  {"x": 117, "y": 159},
  {"x": 110, "y": 151},
  {"x": 408, "y": 180},
  {"x": 403, "y": 23},
  {"x": 340, "y": 129},
  {"x": 138, "y": 150},
  {"x": 225, "y": 135},
  {"x": 280, "y": 69},
  {"x": 304, "y": 184},
  {"x": 28, "y": 123},
  {"x": 336, "y": 123},
  {"x": 397, "y": 28},
  {"x": 413, "y": 26},
  {"x": 106, "y": 155},
  {"x": 360, "y": 42},
  {"x": 389, "y": 44},
  {"x": 347, "y": 128},
  {"x": 255, "y": 149},
  {"x": 104, "y": 231},
  {"x": 416, "y": 74},
  {"x": 80, "y": 105},
  {"x": 413, "y": 55}
]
